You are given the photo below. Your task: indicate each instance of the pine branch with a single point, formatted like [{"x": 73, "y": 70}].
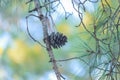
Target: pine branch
[{"x": 45, "y": 23}]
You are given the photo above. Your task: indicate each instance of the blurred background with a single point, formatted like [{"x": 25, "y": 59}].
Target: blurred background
[{"x": 23, "y": 59}]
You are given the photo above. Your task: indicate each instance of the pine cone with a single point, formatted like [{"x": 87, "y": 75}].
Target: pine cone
[{"x": 57, "y": 40}]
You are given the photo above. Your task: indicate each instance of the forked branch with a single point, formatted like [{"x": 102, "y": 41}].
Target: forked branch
[{"x": 45, "y": 25}]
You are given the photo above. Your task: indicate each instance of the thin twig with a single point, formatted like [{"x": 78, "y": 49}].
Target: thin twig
[{"x": 31, "y": 35}]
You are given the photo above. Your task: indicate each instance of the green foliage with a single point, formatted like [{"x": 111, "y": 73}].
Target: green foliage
[{"x": 99, "y": 43}]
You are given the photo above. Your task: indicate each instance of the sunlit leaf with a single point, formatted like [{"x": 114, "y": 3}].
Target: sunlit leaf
[
  {"x": 65, "y": 29},
  {"x": 1, "y": 51},
  {"x": 18, "y": 51}
]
